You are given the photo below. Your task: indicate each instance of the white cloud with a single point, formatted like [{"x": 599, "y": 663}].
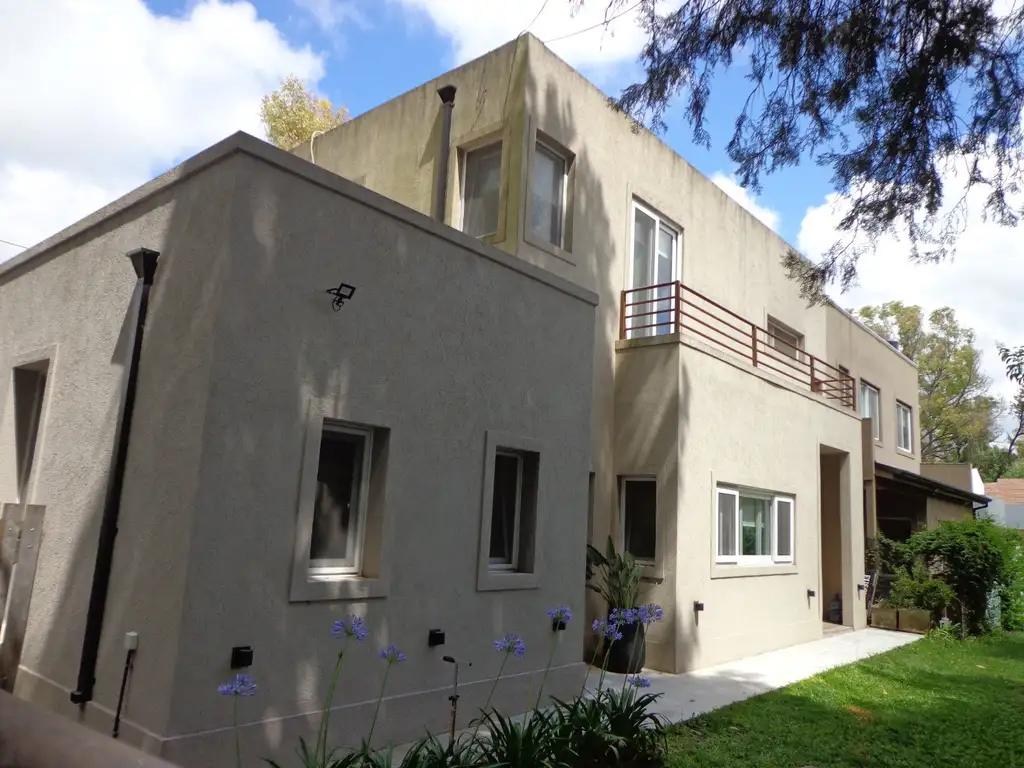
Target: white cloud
[
  {"x": 476, "y": 27},
  {"x": 729, "y": 185},
  {"x": 983, "y": 283},
  {"x": 332, "y": 14},
  {"x": 99, "y": 98}
]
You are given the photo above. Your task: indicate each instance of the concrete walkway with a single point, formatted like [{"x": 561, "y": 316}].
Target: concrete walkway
[{"x": 703, "y": 690}]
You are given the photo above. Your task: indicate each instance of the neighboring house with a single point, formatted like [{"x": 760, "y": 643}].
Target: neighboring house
[
  {"x": 418, "y": 457},
  {"x": 728, "y": 450},
  {"x": 1007, "y": 506}
]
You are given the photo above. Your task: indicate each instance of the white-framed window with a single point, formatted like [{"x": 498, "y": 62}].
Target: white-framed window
[
  {"x": 506, "y": 510},
  {"x": 655, "y": 260},
  {"x": 481, "y": 187},
  {"x": 548, "y": 195},
  {"x": 870, "y": 408},
  {"x": 904, "y": 427},
  {"x": 753, "y": 527},
  {"x": 342, "y": 492},
  {"x": 638, "y": 516},
  {"x": 785, "y": 340}
]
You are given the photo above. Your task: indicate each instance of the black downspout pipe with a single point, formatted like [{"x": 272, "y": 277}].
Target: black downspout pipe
[
  {"x": 447, "y": 94},
  {"x": 144, "y": 261}
]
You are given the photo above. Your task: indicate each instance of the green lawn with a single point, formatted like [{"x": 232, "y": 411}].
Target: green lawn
[{"x": 933, "y": 703}]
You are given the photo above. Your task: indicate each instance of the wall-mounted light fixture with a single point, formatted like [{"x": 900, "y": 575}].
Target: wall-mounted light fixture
[
  {"x": 241, "y": 656},
  {"x": 341, "y": 294},
  {"x": 435, "y": 637}
]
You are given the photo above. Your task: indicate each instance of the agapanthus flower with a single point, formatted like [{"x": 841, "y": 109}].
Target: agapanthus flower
[
  {"x": 240, "y": 685},
  {"x": 650, "y": 613},
  {"x": 391, "y": 654},
  {"x": 638, "y": 682},
  {"x": 560, "y": 614},
  {"x": 607, "y": 628},
  {"x": 511, "y": 643},
  {"x": 622, "y": 616},
  {"x": 351, "y": 626}
]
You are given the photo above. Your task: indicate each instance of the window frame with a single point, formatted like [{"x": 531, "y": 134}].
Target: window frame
[
  {"x": 776, "y": 331},
  {"x": 623, "y": 480},
  {"x": 660, "y": 223},
  {"x": 331, "y": 572},
  {"x": 539, "y": 146},
  {"x": 876, "y": 429},
  {"x": 739, "y": 559},
  {"x": 494, "y": 564},
  {"x": 496, "y": 145},
  {"x": 902, "y": 408}
]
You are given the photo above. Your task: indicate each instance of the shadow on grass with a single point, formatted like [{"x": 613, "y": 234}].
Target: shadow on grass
[{"x": 928, "y": 704}]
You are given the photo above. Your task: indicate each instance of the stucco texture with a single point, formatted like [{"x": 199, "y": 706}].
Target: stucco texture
[{"x": 443, "y": 341}]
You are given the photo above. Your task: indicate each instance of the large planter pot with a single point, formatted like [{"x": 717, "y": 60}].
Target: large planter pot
[
  {"x": 628, "y": 655},
  {"x": 884, "y": 618},
  {"x": 915, "y": 620}
]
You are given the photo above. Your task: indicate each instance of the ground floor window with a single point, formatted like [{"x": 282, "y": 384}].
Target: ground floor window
[
  {"x": 638, "y": 514},
  {"x": 753, "y": 527}
]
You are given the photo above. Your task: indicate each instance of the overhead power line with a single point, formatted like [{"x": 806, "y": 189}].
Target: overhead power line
[
  {"x": 8, "y": 242},
  {"x": 604, "y": 23}
]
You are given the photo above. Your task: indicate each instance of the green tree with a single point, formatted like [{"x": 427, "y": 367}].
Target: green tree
[
  {"x": 292, "y": 114},
  {"x": 957, "y": 416},
  {"x": 888, "y": 95}
]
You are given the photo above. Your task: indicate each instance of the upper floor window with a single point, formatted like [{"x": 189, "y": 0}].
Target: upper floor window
[
  {"x": 547, "y": 195},
  {"x": 655, "y": 262},
  {"x": 481, "y": 184},
  {"x": 753, "y": 527},
  {"x": 904, "y": 427},
  {"x": 869, "y": 408},
  {"x": 29, "y": 388},
  {"x": 784, "y": 339}
]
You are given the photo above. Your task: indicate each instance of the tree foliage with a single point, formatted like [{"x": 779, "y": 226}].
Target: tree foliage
[
  {"x": 890, "y": 95},
  {"x": 957, "y": 415},
  {"x": 292, "y": 114}
]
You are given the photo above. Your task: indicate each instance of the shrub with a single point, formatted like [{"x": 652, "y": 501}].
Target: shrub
[
  {"x": 620, "y": 576},
  {"x": 1011, "y": 591},
  {"x": 915, "y": 588},
  {"x": 971, "y": 556}
]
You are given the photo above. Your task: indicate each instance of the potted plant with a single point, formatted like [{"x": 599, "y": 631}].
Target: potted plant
[
  {"x": 918, "y": 597},
  {"x": 884, "y": 615},
  {"x": 619, "y": 584}
]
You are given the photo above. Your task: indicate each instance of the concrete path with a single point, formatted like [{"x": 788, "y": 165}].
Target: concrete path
[{"x": 703, "y": 690}]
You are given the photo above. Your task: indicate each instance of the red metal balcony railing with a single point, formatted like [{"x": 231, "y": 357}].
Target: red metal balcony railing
[{"x": 673, "y": 307}]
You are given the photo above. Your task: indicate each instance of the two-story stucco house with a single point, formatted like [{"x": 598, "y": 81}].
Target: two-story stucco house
[{"x": 741, "y": 440}]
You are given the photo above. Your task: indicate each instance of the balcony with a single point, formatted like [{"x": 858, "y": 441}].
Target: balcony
[{"x": 673, "y": 308}]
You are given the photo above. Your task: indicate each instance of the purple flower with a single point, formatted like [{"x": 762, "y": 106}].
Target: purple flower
[
  {"x": 351, "y": 626},
  {"x": 560, "y": 614},
  {"x": 638, "y": 682},
  {"x": 607, "y": 628},
  {"x": 241, "y": 685},
  {"x": 511, "y": 643},
  {"x": 650, "y": 613},
  {"x": 622, "y": 616},
  {"x": 391, "y": 654}
]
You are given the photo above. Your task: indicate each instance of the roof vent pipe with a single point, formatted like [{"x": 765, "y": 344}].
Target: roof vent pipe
[{"x": 447, "y": 94}]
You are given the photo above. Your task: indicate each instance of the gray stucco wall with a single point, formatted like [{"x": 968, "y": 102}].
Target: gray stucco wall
[{"x": 445, "y": 341}]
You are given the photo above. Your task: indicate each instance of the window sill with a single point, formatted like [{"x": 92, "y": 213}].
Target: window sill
[
  {"x": 312, "y": 588},
  {"x": 554, "y": 250},
  {"x": 494, "y": 580},
  {"x": 904, "y": 452},
  {"x": 740, "y": 571}
]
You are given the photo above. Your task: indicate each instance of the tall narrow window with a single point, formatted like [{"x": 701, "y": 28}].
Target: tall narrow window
[
  {"x": 639, "y": 515},
  {"x": 339, "y": 513},
  {"x": 506, "y": 510},
  {"x": 481, "y": 184},
  {"x": 869, "y": 408},
  {"x": 904, "y": 427},
  {"x": 547, "y": 195},
  {"x": 29, "y": 387},
  {"x": 655, "y": 267},
  {"x": 753, "y": 527},
  {"x": 787, "y": 341}
]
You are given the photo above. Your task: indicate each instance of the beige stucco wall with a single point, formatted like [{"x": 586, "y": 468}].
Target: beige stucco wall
[
  {"x": 445, "y": 341},
  {"x": 957, "y": 475},
  {"x": 73, "y": 299},
  {"x": 869, "y": 357},
  {"x": 940, "y": 510}
]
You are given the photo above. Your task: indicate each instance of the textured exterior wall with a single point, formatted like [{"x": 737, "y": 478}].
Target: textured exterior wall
[
  {"x": 940, "y": 510},
  {"x": 957, "y": 475},
  {"x": 871, "y": 358},
  {"x": 74, "y": 298}
]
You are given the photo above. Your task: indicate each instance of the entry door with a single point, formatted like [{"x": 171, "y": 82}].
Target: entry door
[{"x": 655, "y": 261}]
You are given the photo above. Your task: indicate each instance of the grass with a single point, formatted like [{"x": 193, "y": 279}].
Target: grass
[{"x": 936, "y": 702}]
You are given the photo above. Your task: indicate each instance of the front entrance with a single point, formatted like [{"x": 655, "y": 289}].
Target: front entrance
[{"x": 839, "y": 594}]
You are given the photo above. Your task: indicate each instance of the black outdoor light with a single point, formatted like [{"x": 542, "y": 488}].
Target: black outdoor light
[
  {"x": 810, "y": 593},
  {"x": 698, "y": 606},
  {"x": 241, "y": 656},
  {"x": 435, "y": 637},
  {"x": 341, "y": 294}
]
